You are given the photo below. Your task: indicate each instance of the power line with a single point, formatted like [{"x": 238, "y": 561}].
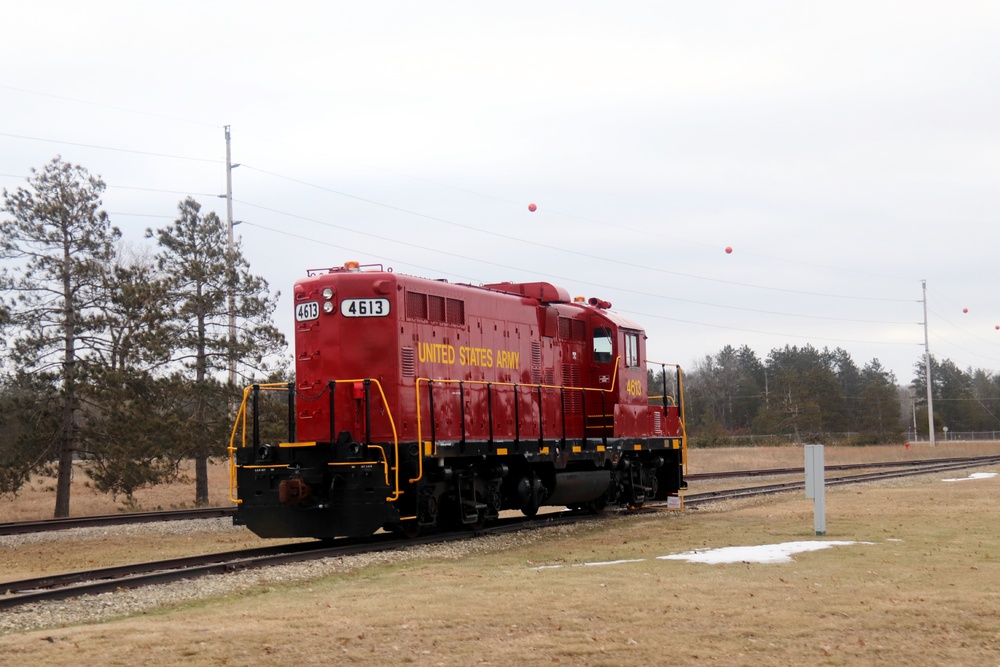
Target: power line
[
  {"x": 570, "y": 215},
  {"x": 110, "y": 148},
  {"x": 484, "y": 231},
  {"x": 547, "y": 275},
  {"x": 630, "y": 264},
  {"x": 172, "y": 192},
  {"x": 108, "y": 106},
  {"x": 572, "y": 280}
]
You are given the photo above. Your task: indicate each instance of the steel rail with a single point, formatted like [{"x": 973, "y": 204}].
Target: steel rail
[
  {"x": 696, "y": 499},
  {"x": 45, "y": 525},
  {"x": 92, "y": 582},
  {"x": 775, "y": 472}
]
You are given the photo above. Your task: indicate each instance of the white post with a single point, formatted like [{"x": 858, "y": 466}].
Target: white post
[{"x": 816, "y": 485}]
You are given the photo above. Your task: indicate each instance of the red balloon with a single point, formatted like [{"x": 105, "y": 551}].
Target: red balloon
[
  {"x": 532, "y": 207},
  {"x": 729, "y": 250},
  {"x": 997, "y": 326},
  {"x": 965, "y": 310}
]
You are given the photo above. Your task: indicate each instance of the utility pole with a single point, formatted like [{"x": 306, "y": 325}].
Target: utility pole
[
  {"x": 232, "y": 245},
  {"x": 927, "y": 371}
]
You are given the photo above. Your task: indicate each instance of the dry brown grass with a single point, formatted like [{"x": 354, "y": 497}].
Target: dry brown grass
[
  {"x": 924, "y": 592},
  {"x": 37, "y": 499},
  {"x": 747, "y": 458}
]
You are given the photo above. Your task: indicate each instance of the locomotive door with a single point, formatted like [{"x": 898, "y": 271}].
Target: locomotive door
[{"x": 600, "y": 408}]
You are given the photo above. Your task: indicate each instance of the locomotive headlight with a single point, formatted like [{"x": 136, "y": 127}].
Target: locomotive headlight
[
  {"x": 327, "y": 306},
  {"x": 327, "y": 293}
]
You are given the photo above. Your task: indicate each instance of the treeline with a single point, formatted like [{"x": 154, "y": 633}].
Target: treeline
[
  {"x": 812, "y": 395},
  {"x": 116, "y": 359},
  {"x": 964, "y": 400}
]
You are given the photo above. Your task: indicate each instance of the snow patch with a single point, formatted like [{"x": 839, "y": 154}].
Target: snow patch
[
  {"x": 975, "y": 475},
  {"x": 764, "y": 553}
]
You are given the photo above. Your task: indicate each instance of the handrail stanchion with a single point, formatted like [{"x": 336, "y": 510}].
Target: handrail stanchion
[
  {"x": 291, "y": 412},
  {"x": 604, "y": 417},
  {"x": 663, "y": 376},
  {"x": 562, "y": 401},
  {"x": 461, "y": 411},
  {"x": 430, "y": 406},
  {"x": 517, "y": 417},
  {"x": 332, "y": 385},
  {"x": 489, "y": 409},
  {"x": 256, "y": 416},
  {"x": 368, "y": 411},
  {"x": 541, "y": 418}
]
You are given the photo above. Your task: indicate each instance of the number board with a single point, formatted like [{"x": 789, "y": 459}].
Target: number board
[
  {"x": 308, "y": 310},
  {"x": 364, "y": 307}
]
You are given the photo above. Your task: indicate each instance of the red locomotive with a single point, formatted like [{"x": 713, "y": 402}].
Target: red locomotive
[{"x": 421, "y": 403}]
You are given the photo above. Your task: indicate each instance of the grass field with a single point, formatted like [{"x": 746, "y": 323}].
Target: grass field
[{"x": 920, "y": 586}]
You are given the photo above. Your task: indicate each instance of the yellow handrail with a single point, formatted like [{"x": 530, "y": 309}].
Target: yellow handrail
[
  {"x": 241, "y": 416},
  {"x": 395, "y": 437},
  {"x": 680, "y": 408},
  {"x": 420, "y": 438}
]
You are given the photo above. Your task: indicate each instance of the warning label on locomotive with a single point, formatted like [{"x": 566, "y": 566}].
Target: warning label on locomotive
[{"x": 485, "y": 357}]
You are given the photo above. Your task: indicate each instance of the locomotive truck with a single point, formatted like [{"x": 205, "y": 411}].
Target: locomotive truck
[{"x": 421, "y": 404}]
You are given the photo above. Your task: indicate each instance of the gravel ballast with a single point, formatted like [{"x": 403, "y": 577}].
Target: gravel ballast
[{"x": 127, "y": 602}]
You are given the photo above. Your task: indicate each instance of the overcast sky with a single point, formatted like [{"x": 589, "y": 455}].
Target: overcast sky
[{"x": 845, "y": 151}]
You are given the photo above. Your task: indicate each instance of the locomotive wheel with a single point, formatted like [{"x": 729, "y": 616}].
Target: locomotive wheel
[
  {"x": 598, "y": 506},
  {"x": 409, "y": 529}
]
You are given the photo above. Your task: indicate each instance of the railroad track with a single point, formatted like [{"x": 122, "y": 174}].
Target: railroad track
[
  {"x": 911, "y": 468},
  {"x": 776, "y": 472},
  {"x": 76, "y": 584},
  {"x": 45, "y": 525},
  {"x": 92, "y": 582}
]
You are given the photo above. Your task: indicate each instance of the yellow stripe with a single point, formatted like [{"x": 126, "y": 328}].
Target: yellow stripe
[
  {"x": 543, "y": 450},
  {"x": 501, "y": 451},
  {"x": 637, "y": 447},
  {"x": 275, "y": 465},
  {"x": 296, "y": 444},
  {"x": 600, "y": 448},
  {"x": 576, "y": 449}
]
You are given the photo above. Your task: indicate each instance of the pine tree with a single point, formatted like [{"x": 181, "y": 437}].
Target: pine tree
[
  {"x": 133, "y": 411},
  {"x": 880, "y": 418},
  {"x": 203, "y": 273},
  {"x": 59, "y": 244}
]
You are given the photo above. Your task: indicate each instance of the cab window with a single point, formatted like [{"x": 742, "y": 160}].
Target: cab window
[
  {"x": 631, "y": 349},
  {"x": 603, "y": 347}
]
